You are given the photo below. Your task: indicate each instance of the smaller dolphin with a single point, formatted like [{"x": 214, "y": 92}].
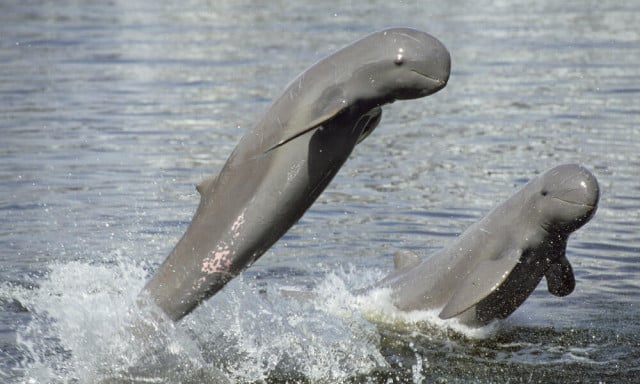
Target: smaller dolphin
[{"x": 493, "y": 266}]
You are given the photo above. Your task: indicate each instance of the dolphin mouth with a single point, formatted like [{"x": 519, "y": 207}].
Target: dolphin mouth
[
  {"x": 580, "y": 196},
  {"x": 439, "y": 82},
  {"x": 575, "y": 202}
]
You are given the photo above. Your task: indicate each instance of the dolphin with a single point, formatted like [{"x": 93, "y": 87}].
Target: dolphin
[
  {"x": 492, "y": 267},
  {"x": 285, "y": 161}
]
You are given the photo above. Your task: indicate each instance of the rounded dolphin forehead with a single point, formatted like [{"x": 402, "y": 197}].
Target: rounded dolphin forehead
[
  {"x": 566, "y": 171},
  {"x": 569, "y": 177},
  {"x": 566, "y": 195},
  {"x": 408, "y": 41},
  {"x": 424, "y": 53}
]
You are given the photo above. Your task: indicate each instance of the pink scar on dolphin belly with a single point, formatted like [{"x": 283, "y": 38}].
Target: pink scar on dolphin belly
[
  {"x": 220, "y": 262},
  {"x": 235, "y": 228}
]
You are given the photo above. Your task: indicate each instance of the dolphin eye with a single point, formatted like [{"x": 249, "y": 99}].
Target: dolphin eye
[
  {"x": 399, "y": 57},
  {"x": 544, "y": 192}
]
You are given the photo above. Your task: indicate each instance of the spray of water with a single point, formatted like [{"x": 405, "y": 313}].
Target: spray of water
[{"x": 88, "y": 325}]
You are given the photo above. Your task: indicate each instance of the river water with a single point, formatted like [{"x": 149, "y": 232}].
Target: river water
[{"x": 111, "y": 112}]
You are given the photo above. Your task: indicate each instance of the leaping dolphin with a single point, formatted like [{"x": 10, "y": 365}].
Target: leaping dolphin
[
  {"x": 281, "y": 165},
  {"x": 493, "y": 266}
]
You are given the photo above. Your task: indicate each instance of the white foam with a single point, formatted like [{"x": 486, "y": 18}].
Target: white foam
[
  {"x": 271, "y": 334},
  {"x": 377, "y": 306},
  {"x": 88, "y": 326}
]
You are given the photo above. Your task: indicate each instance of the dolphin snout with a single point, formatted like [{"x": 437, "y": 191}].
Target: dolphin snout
[{"x": 437, "y": 83}]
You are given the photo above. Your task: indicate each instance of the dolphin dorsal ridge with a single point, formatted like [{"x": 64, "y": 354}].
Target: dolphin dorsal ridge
[
  {"x": 331, "y": 105},
  {"x": 405, "y": 259},
  {"x": 206, "y": 185}
]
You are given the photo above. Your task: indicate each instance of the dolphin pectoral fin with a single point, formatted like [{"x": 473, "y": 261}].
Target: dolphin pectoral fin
[
  {"x": 294, "y": 136},
  {"x": 484, "y": 279},
  {"x": 560, "y": 278},
  {"x": 403, "y": 259},
  {"x": 328, "y": 111},
  {"x": 369, "y": 122}
]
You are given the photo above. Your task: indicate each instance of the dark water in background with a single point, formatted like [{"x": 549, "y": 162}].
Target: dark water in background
[{"x": 111, "y": 112}]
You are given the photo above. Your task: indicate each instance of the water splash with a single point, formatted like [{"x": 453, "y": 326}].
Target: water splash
[
  {"x": 84, "y": 323},
  {"x": 265, "y": 335},
  {"x": 89, "y": 325}
]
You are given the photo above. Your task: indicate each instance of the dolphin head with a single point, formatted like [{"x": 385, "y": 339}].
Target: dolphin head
[
  {"x": 402, "y": 63},
  {"x": 565, "y": 198}
]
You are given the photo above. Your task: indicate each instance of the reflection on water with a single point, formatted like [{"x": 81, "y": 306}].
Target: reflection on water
[{"x": 111, "y": 113}]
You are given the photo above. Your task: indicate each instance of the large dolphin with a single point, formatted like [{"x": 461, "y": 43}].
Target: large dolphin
[
  {"x": 287, "y": 159},
  {"x": 492, "y": 267}
]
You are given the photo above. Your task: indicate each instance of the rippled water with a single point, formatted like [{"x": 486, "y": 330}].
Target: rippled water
[{"x": 111, "y": 112}]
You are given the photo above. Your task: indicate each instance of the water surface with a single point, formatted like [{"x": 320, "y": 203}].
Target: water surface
[{"x": 111, "y": 113}]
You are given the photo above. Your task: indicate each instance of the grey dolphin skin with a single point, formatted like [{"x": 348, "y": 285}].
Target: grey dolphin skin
[
  {"x": 491, "y": 268},
  {"x": 286, "y": 160}
]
